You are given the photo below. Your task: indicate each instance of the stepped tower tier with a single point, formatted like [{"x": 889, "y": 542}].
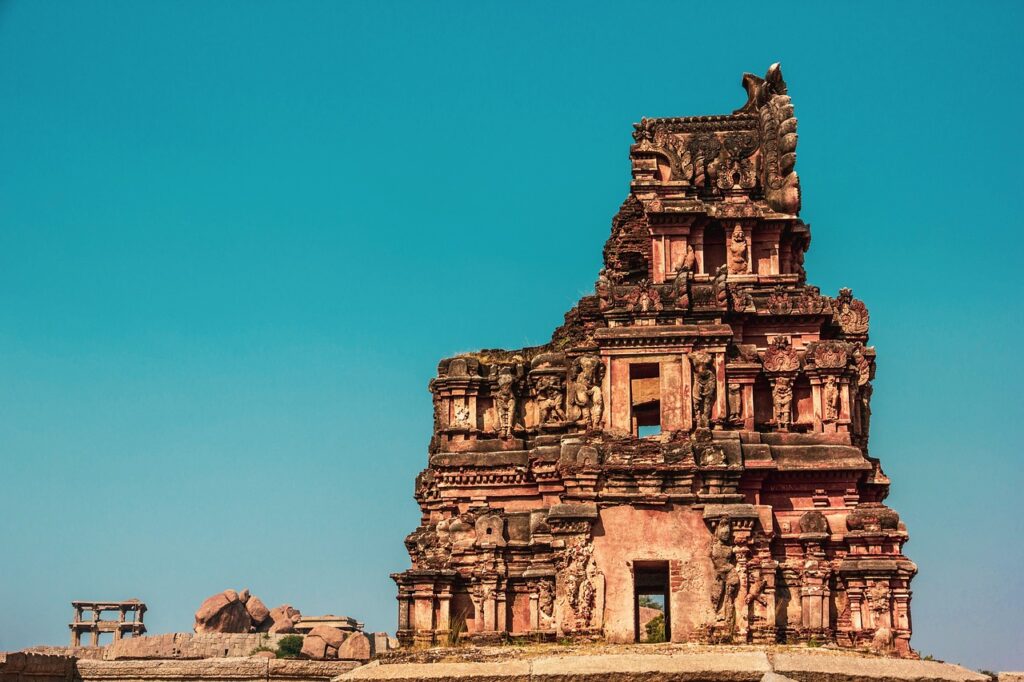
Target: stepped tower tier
[{"x": 694, "y": 436}]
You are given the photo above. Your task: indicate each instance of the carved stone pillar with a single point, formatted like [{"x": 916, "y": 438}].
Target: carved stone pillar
[
  {"x": 721, "y": 399},
  {"x": 490, "y": 622},
  {"x": 534, "y": 610},
  {"x": 423, "y": 614},
  {"x": 444, "y": 600},
  {"x": 501, "y": 611}
]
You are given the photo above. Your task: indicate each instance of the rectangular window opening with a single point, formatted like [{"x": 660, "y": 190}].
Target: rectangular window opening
[{"x": 645, "y": 398}]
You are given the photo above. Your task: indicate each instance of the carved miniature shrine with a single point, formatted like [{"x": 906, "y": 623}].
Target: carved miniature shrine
[{"x": 697, "y": 430}]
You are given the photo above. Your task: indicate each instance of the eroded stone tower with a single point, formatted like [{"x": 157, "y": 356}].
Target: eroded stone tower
[{"x": 697, "y": 430}]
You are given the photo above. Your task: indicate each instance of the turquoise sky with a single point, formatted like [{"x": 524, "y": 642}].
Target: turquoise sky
[{"x": 236, "y": 237}]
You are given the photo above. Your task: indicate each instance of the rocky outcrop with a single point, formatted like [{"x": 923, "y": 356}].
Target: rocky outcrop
[
  {"x": 283, "y": 619},
  {"x": 324, "y": 642},
  {"x": 239, "y": 612}
]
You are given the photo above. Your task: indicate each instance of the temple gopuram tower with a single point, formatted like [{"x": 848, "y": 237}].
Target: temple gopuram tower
[{"x": 694, "y": 436}]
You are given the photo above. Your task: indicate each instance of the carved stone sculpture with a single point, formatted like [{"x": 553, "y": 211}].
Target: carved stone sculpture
[
  {"x": 505, "y": 402},
  {"x": 780, "y": 356},
  {"x": 588, "y": 372},
  {"x": 727, "y": 581},
  {"x": 738, "y": 251},
  {"x": 782, "y": 399},
  {"x": 705, "y": 388},
  {"x": 830, "y": 396},
  {"x": 851, "y": 314},
  {"x": 550, "y": 397},
  {"x": 735, "y": 402}
]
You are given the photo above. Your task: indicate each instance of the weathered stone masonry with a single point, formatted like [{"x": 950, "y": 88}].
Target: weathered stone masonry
[{"x": 699, "y": 426}]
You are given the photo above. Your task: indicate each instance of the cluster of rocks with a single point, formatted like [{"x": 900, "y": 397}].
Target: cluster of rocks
[
  {"x": 231, "y": 611},
  {"x": 327, "y": 642},
  {"x": 324, "y": 637}
]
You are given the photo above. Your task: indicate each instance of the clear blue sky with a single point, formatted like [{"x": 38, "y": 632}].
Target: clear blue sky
[{"x": 236, "y": 237}]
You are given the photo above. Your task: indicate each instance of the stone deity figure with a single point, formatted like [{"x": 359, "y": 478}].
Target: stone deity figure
[
  {"x": 738, "y": 252},
  {"x": 865, "y": 408},
  {"x": 727, "y": 580},
  {"x": 586, "y": 394},
  {"x": 830, "y": 395},
  {"x": 549, "y": 400},
  {"x": 505, "y": 402},
  {"x": 782, "y": 398},
  {"x": 705, "y": 385},
  {"x": 734, "y": 394}
]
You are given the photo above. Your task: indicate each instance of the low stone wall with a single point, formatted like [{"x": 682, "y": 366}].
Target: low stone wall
[
  {"x": 188, "y": 645},
  {"x": 32, "y": 667},
  {"x": 255, "y": 669}
]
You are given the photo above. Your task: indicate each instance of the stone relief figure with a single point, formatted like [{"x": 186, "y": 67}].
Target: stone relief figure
[
  {"x": 878, "y": 602},
  {"x": 505, "y": 402},
  {"x": 727, "y": 581},
  {"x": 462, "y": 417},
  {"x": 549, "y": 399},
  {"x": 643, "y": 298},
  {"x": 738, "y": 251},
  {"x": 782, "y": 399},
  {"x": 865, "y": 407},
  {"x": 579, "y": 575},
  {"x": 588, "y": 371},
  {"x": 830, "y": 396},
  {"x": 705, "y": 387},
  {"x": 734, "y": 397},
  {"x": 546, "y": 604}
]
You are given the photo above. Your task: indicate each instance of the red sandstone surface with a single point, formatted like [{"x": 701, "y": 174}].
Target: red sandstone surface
[{"x": 698, "y": 428}]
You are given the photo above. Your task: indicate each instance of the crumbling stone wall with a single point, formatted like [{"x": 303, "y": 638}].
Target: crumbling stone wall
[{"x": 33, "y": 667}]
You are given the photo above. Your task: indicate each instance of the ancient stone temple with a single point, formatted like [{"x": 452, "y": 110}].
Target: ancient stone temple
[{"x": 696, "y": 430}]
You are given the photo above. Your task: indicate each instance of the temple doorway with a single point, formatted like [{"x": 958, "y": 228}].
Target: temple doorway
[{"x": 651, "y": 602}]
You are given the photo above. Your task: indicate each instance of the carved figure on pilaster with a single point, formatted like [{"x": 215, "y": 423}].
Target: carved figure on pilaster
[
  {"x": 881, "y": 612},
  {"x": 864, "y": 395},
  {"x": 546, "y": 604},
  {"x": 579, "y": 586},
  {"x": 550, "y": 397},
  {"x": 727, "y": 581},
  {"x": 738, "y": 251},
  {"x": 588, "y": 372},
  {"x": 705, "y": 388},
  {"x": 782, "y": 400},
  {"x": 830, "y": 397},
  {"x": 735, "y": 402},
  {"x": 505, "y": 402}
]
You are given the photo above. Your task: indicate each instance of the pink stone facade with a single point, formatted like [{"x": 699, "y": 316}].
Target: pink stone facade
[{"x": 697, "y": 430}]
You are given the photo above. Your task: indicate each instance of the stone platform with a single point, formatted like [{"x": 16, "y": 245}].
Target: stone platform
[{"x": 647, "y": 663}]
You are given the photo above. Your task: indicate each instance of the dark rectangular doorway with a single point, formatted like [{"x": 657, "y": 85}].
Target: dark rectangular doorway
[{"x": 651, "y": 614}]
